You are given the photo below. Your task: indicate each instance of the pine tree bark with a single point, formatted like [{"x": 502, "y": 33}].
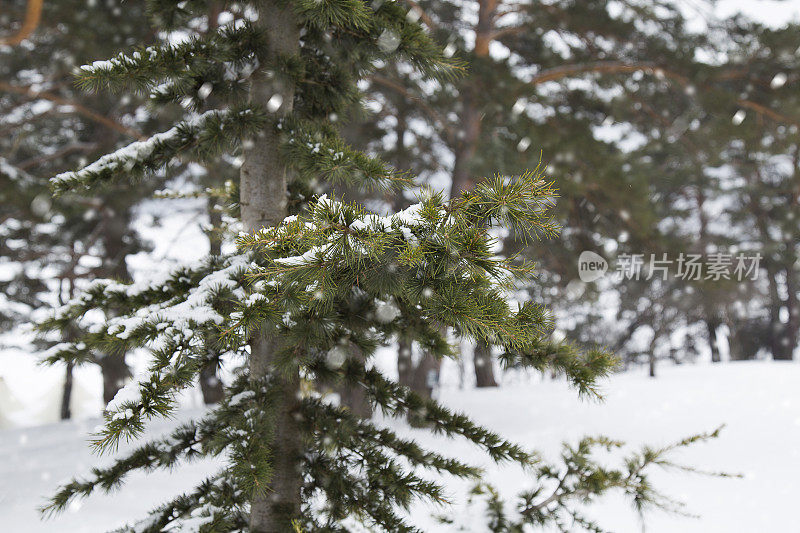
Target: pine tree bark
[
  {"x": 484, "y": 365},
  {"x": 115, "y": 243},
  {"x": 210, "y": 385},
  {"x": 263, "y": 203},
  {"x": 66, "y": 395},
  {"x": 421, "y": 378}
]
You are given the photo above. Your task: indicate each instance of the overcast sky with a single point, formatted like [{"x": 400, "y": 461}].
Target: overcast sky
[{"x": 771, "y": 12}]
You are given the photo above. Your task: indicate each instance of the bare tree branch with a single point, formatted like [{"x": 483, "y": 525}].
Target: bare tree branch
[
  {"x": 30, "y": 93},
  {"x": 33, "y": 15}
]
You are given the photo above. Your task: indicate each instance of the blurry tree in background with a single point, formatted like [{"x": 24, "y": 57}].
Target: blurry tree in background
[
  {"x": 55, "y": 246},
  {"x": 637, "y": 116},
  {"x": 760, "y": 177},
  {"x": 542, "y": 78},
  {"x": 713, "y": 145}
]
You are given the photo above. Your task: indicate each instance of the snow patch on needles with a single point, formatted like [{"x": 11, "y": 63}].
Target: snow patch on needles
[
  {"x": 126, "y": 157},
  {"x": 188, "y": 313},
  {"x": 130, "y": 393}
]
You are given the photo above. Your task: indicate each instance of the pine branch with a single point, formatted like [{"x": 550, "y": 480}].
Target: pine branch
[
  {"x": 205, "y": 135},
  {"x": 145, "y": 68}
]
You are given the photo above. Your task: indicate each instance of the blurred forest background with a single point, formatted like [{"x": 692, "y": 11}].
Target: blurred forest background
[{"x": 668, "y": 126}]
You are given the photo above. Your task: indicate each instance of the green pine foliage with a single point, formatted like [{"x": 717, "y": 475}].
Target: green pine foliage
[
  {"x": 332, "y": 283},
  {"x": 55, "y": 246},
  {"x": 562, "y": 492}
]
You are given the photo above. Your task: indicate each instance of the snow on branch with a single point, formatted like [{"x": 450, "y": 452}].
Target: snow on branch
[
  {"x": 144, "y": 68},
  {"x": 322, "y": 154},
  {"x": 13, "y": 173},
  {"x": 204, "y": 134}
]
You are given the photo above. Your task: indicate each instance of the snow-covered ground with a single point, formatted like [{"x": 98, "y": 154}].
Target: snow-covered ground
[{"x": 759, "y": 402}]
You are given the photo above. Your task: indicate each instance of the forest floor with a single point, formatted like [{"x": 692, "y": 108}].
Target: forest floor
[{"x": 759, "y": 403}]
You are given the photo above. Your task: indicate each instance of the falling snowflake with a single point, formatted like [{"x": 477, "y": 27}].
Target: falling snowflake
[{"x": 388, "y": 41}]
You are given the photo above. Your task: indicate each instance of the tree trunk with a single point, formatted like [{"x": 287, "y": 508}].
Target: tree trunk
[
  {"x": 214, "y": 232},
  {"x": 355, "y": 398},
  {"x": 793, "y": 321},
  {"x": 424, "y": 381},
  {"x": 66, "y": 396},
  {"x": 422, "y": 378},
  {"x": 711, "y": 326},
  {"x": 263, "y": 203},
  {"x": 484, "y": 365},
  {"x": 210, "y": 385},
  {"x": 117, "y": 232},
  {"x": 778, "y": 337},
  {"x": 66, "y": 392},
  {"x": 651, "y": 356},
  {"x": 405, "y": 362},
  {"x": 115, "y": 374},
  {"x": 273, "y": 510}
]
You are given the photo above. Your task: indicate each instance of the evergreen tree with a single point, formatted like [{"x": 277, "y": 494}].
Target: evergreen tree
[
  {"x": 758, "y": 176},
  {"x": 309, "y": 296},
  {"x": 724, "y": 114},
  {"x": 57, "y": 246},
  {"x": 564, "y": 78},
  {"x": 556, "y": 74}
]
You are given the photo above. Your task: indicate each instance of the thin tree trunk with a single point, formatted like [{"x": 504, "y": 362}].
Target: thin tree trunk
[
  {"x": 263, "y": 203},
  {"x": 210, "y": 385},
  {"x": 117, "y": 230},
  {"x": 355, "y": 398},
  {"x": 66, "y": 396},
  {"x": 214, "y": 232},
  {"x": 711, "y": 326},
  {"x": 115, "y": 374},
  {"x": 66, "y": 392},
  {"x": 484, "y": 366},
  {"x": 777, "y": 329},
  {"x": 405, "y": 362},
  {"x": 651, "y": 356},
  {"x": 793, "y": 321}
]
